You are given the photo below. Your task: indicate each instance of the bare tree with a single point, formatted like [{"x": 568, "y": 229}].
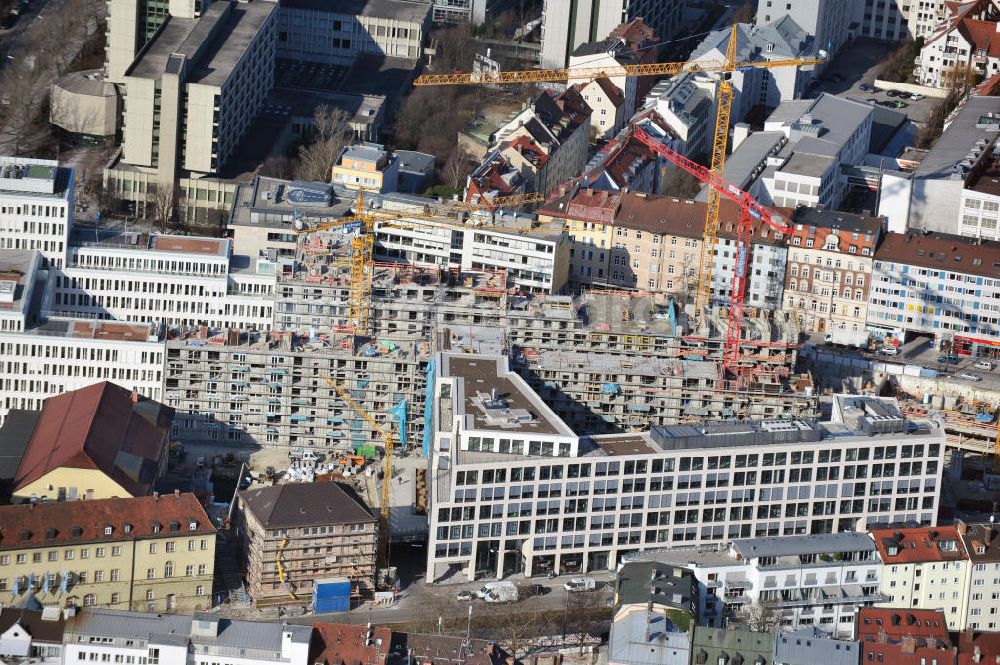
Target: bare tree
[
  {"x": 763, "y": 617},
  {"x": 331, "y": 132},
  {"x": 278, "y": 166},
  {"x": 959, "y": 78},
  {"x": 19, "y": 91},
  {"x": 743, "y": 14},
  {"x": 585, "y": 612},
  {"x": 163, "y": 201},
  {"x": 680, "y": 183},
  {"x": 455, "y": 170},
  {"x": 515, "y": 630}
]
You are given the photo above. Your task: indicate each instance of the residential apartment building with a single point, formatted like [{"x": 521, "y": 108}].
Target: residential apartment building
[
  {"x": 779, "y": 37},
  {"x": 547, "y": 141},
  {"x": 925, "y": 16},
  {"x": 925, "y": 568},
  {"x": 163, "y": 278},
  {"x": 154, "y": 553},
  {"x": 687, "y": 103},
  {"x": 494, "y": 177},
  {"x": 98, "y": 442},
  {"x": 648, "y": 636},
  {"x": 338, "y": 35},
  {"x": 828, "y": 21},
  {"x": 812, "y": 580},
  {"x": 607, "y": 104},
  {"x": 36, "y": 207},
  {"x": 983, "y": 548},
  {"x": 575, "y": 502},
  {"x": 980, "y": 208},
  {"x": 567, "y": 24},
  {"x": 966, "y": 39},
  {"x": 829, "y": 276},
  {"x": 624, "y": 162},
  {"x": 904, "y": 635},
  {"x": 296, "y": 533},
  {"x": 106, "y": 635},
  {"x": 631, "y": 43},
  {"x": 367, "y": 166},
  {"x": 588, "y": 215},
  {"x": 937, "y": 284},
  {"x": 823, "y": 136},
  {"x": 37, "y": 635},
  {"x": 766, "y": 260},
  {"x": 199, "y": 81}
]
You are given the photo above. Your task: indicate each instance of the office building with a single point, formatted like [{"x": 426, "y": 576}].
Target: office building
[
  {"x": 106, "y": 635},
  {"x": 823, "y": 136},
  {"x": 98, "y": 442},
  {"x": 888, "y": 21},
  {"x": 315, "y": 32},
  {"x": 566, "y": 24},
  {"x": 937, "y": 284},
  {"x": 812, "y": 580},
  {"x": 132, "y": 24},
  {"x": 154, "y": 553},
  {"x": 191, "y": 93},
  {"x": 830, "y": 257},
  {"x": 36, "y": 207},
  {"x": 828, "y": 21},
  {"x": 756, "y": 478},
  {"x": 297, "y": 533},
  {"x": 925, "y": 568}
]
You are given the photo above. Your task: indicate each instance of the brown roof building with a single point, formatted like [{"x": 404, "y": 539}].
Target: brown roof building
[
  {"x": 97, "y": 442},
  {"x": 349, "y": 644},
  {"x": 982, "y": 544},
  {"x": 35, "y": 634},
  {"x": 297, "y": 533},
  {"x": 144, "y": 553}
]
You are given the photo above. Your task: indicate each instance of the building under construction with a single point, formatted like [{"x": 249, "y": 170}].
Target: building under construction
[{"x": 604, "y": 361}]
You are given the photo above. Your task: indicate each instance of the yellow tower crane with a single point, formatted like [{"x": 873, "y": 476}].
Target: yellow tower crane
[
  {"x": 720, "y": 141},
  {"x": 389, "y": 441}
]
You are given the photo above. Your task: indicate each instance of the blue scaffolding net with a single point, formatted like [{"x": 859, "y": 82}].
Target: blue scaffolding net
[
  {"x": 399, "y": 413},
  {"x": 429, "y": 409}
]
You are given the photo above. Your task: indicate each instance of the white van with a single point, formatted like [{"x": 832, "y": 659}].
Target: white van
[{"x": 489, "y": 586}]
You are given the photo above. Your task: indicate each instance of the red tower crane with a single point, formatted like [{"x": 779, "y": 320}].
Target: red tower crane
[{"x": 750, "y": 210}]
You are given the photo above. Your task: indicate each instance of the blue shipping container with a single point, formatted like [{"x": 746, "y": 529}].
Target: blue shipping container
[{"x": 332, "y": 594}]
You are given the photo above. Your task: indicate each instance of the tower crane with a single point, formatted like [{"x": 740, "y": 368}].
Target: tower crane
[
  {"x": 389, "y": 440},
  {"x": 720, "y": 137},
  {"x": 750, "y": 210}
]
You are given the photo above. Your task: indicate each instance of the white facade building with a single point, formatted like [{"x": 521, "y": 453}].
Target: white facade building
[
  {"x": 135, "y": 637},
  {"x": 686, "y": 102},
  {"x": 515, "y": 491},
  {"x": 828, "y": 21},
  {"x": 36, "y": 207},
  {"x": 889, "y": 20},
  {"x": 967, "y": 38},
  {"x": 937, "y": 284},
  {"x": 823, "y": 134},
  {"x": 173, "y": 280},
  {"x": 815, "y": 580}
]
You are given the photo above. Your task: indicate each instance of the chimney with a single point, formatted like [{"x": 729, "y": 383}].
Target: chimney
[
  {"x": 177, "y": 492},
  {"x": 908, "y": 644},
  {"x": 977, "y": 654},
  {"x": 961, "y": 527},
  {"x": 156, "y": 497},
  {"x": 135, "y": 396}
]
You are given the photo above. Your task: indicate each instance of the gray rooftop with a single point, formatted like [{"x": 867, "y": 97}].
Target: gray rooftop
[
  {"x": 820, "y": 126},
  {"x": 825, "y": 543},
  {"x": 212, "y": 44},
  {"x": 306, "y": 504},
  {"x": 810, "y": 645},
  {"x": 647, "y": 637},
  {"x": 784, "y": 36},
  {"x": 397, "y": 10},
  {"x": 177, "y": 628},
  {"x": 960, "y": 138},
  {"x": 414, "y": 162}
]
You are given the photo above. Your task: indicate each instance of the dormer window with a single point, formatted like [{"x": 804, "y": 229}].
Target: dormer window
[
  {"x": 25, "y": 534},
  {"x": 50, "y": 533},
  {"x": 127, "y": 527},
  {"x": 156, "y": 527},
  {"x": 980, "y": 549},
  {"x": 76, "y": 531},
  {"x": 192, "y": 526},
  {"x": 108, "y": 529},
  {"x": 175, "y": 525}
]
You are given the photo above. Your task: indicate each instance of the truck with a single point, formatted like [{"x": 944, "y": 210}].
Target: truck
[
  {"x": 580, "y": 584},
  {"x": 503, "y": 592},
  {"x": 856, "y": 338}
]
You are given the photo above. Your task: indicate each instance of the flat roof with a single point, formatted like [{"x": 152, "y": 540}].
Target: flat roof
[
  {"x": 363, "y": 109},
  {"x": 960, "y": 137},
  {"x": 824, "y": 543},
  {"x": 17, "y": 271},
  {"x": 481, "y": 376},
  {"x": 98, "y": 330},
  {"x": 189, "y": 245},
  {"x": 398, "y": 10},
  {"x": 213, "y": 44}
]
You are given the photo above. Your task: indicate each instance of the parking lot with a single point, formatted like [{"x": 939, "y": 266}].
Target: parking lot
[{"x": 857, "y": 64}]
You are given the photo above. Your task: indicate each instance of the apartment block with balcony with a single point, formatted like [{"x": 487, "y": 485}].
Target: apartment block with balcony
[
  {"x": 812, "y": 580},
  {"x": 968, "y": 38}
]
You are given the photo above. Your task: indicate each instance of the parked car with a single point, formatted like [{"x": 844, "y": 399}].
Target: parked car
[
  {"x": 917, "y": 97},
  {"x": 864, "y": 87},
  {"x": 464, "y": 596},
  {"x": 537, "y": 590},
  {"x": 891, "y": 93},
  {"x": 968, "y": 376},
  {"x": 951, "y": 360},
  {"x": 888, "y": 351},
  {"x": 872, "y": 100},
  {"x": 900, "y": 105},
  {"x": 984, "y": 364},
  {"x": 580, "y": 584}
]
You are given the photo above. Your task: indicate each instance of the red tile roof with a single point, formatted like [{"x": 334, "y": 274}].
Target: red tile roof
[
  {"x": 978, "y": 648},
  {"x": 99, "y": 427},
  {"x": 982, "y": 35},
  {"x": 530, "y": 150},
  {"x": 348, "y": 644},
  {"x": 682, "y": 217},
  {"x": 919, "y": 545},
  {"x": 55, "y": 523},
  {"x": 898, "y": 622}
]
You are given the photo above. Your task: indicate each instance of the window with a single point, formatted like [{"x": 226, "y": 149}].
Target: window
[
  {"x": 114, "y": 574},
  {"x": 149, "y": 594},
  {"x": 151, "y": 573},
  {"x": 89, "y": 600},
  {"x": 116, "y": 550},
  {"x": 152, "y": 548},
  {"x": 170, "y": 546},
  {"x": 99, "y": 552},
  {"x": 168, "y": 569},
  {"x": 115, "y": 598}
]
